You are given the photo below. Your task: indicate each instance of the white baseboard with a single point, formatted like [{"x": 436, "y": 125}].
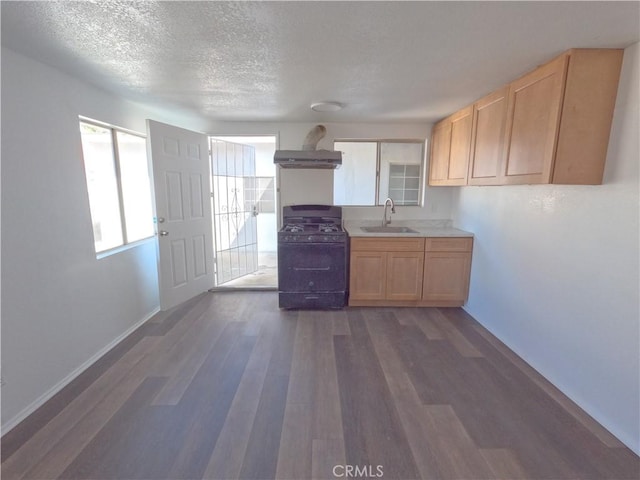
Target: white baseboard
[{"x": 7, "y": 427}]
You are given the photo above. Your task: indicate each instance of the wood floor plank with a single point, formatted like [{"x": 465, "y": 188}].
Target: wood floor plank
[
  {"x": 405, "y": 316},
  {"x": 452, "y": 334},
  {"x": 83, "y": 416},
  {"x": 19, "y": 435},
  {"x": 548, "y": 414},
  {"x": 598, "y": 430},
  {"x": 459, "y": 457},
  {"x": 409, "y": 408},
  {"x": 102, "y": 457},
  {"x": 294, "y": 454},
  {"x": 303, "y": 362},
  {"x": 423, "y": 319},
  {"x": 327, "y": 413},
  {"x": 326, "y": 455},
  {"x": 228, "y": 386},
  {"x": 340, "y": 322},
  {"x": 199, "y": 442},
  {"x": 231, "y": 446},
  {"x": 80, "y": 423},
  {"x": 261, "y": 458},
  {"x": 504, "y": 463},
  {"x": 372, "y": 429},
  {"x": 183, "y": 362},
  {"x": 196, "y": 320},
  {"x": 121, "y": 354}
]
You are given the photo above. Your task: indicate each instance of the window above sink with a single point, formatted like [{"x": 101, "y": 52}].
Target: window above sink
[{"x": 373, "y": 170}]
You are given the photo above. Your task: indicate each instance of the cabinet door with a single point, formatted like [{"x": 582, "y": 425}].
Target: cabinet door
[
  {"x": 587, "y": 109},
  {"x": 534, "y": 116},
  {"x": 368, "y": 272},
  {"x": 440, "y": 149},
  {"x": 488, "y": 140},
  {"x": 461, "y": 123},
  {"x": 446, "y": 276},
  {"x": 404, "y": 275}
]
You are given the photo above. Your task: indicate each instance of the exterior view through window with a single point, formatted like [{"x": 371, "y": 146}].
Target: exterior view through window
[
  {"x": 119, "y": 185},
  {"x": 372, "y": 171}
]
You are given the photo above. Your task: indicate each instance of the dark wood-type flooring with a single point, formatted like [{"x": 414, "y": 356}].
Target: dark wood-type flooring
[{"x": 228, "y": 386}]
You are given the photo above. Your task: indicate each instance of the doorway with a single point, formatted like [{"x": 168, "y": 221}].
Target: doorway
[{"x": 244, "y": 211}]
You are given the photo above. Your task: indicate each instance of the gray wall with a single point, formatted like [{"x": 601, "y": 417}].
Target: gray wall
[{"x": 555, "y": 273}]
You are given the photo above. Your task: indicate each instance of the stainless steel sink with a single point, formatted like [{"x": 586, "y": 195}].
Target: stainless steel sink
[{"x": 381, "y": 229}]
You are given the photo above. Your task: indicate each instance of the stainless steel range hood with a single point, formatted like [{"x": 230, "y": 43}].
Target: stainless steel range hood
[{"x": 308, "y": 158}]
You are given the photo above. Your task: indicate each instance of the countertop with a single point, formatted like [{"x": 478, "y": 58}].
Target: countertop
[{"x": 424, "y": 228}]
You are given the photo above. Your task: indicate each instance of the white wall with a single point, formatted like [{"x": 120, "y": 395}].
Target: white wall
[
  {"x": 555, "y": 273},
  {"x": 60, "y": 305}
]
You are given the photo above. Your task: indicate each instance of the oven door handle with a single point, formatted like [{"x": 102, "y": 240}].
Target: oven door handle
[{"x": 312, "y": 269}]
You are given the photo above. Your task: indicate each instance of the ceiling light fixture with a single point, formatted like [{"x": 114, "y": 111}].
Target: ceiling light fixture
[{"x": 326, "y": 106}]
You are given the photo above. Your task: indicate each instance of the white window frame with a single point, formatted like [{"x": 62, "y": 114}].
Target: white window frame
[
  {"x": 379, "y": 142},
  {"x": 126, "y": 244},
  {"x": 405, "y": 189}
]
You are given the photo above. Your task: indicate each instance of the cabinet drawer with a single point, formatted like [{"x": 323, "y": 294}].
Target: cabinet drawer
[
  {"x": 448, "y": 244},
  {"x": 387, "y": 244}
]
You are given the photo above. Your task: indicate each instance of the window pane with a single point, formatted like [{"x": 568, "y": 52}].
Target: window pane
[
  {"x": 400, "y": 160},
  {"x": 413, "y": 170},
  {"x": 396, "y": 182},
  {"x": 411, "y": 197},
  {"x": 412, "y": 183},
  {"x": 354, "y": 183},
  {"x": 136, "y": 186},
  {"x": 396, "y": 170},
  {"x": 97, "y": 149}
]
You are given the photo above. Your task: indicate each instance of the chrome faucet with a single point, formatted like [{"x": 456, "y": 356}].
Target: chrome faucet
[{"x": 388, "y": 201}]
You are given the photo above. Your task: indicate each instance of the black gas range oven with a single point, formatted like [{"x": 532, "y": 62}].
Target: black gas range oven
[{"x": 312, "y": 257}]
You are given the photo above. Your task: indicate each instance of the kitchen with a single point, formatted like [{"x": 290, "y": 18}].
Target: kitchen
[{"x": 554, "y": 274}]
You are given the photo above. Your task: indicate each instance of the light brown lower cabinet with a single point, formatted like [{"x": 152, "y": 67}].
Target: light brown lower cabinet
[
  {"x": 368, "y": 275},
  {"x": 392, "y": 271},
  {"x": 404, "y": 275}
]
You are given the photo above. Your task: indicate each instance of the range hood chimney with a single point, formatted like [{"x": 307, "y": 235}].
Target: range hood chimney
[{"x": 309, "y": 157}]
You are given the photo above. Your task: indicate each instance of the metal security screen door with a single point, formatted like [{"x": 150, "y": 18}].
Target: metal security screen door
[
  {"x": 234, "y": 210},
  {"x": 181, "y": 173}
]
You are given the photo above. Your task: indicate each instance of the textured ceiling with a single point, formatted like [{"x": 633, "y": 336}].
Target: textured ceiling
[{"x": 268, "y": 61}]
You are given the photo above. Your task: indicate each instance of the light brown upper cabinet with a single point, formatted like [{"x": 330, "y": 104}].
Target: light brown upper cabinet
[
  {"x": 488, "y": 145},
  {"x": 551, "y": 125},
  {"x": 587, "y": 112},
  {"x": 450, "y": 147},
  {"x": 535, "y": 102}
]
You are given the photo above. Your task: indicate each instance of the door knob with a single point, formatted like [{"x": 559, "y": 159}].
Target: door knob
[
  {"x": 160, "y": 219},
  {"x": 163, "y": 233}
]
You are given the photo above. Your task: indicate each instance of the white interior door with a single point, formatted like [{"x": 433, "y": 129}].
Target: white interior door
[{"x": 181, "y": 173}]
